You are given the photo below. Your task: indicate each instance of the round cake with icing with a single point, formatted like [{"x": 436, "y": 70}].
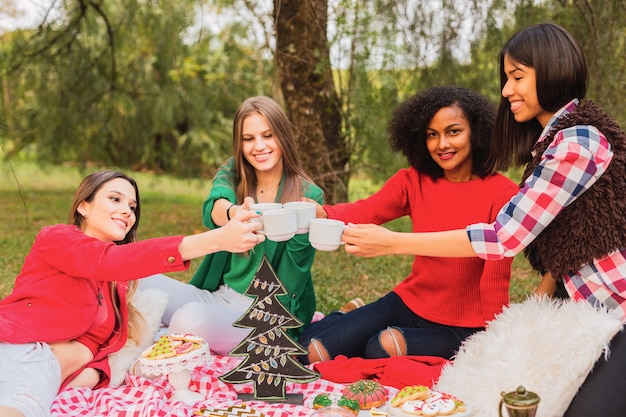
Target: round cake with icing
[
  {"x": 367, "y": 393},
  {"x": 419, "y": 400}
]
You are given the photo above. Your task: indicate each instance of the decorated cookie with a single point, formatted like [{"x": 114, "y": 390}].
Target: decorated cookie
[
  {"x": 168, "y": 347},
  {"x": 162, "y": 349},
  {"x": 186, "y": 347},
  {"x": 322, "y": 400},
  {"x": 434, "y": 404},
  {"x": 409, "y": 393},
  {"x": 351, "y": 405},
  {"x": 186, "y": 337},
  {"x": 325, "y": 401}
]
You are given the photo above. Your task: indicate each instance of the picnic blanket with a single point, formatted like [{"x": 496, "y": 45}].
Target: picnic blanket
[{"x": 141, "y": 397}]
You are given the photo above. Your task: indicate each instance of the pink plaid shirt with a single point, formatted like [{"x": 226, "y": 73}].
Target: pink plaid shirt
[{"x": 577, "y": 157}]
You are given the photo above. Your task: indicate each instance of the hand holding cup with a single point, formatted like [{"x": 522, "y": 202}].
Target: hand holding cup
[{"x": 278, "y": 224}]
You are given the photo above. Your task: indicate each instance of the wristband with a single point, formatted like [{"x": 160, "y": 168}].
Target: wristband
[{"x": 228, "y": 211}]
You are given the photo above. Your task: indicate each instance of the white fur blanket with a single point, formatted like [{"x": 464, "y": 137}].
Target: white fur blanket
[{"x": 548, "y": 346}]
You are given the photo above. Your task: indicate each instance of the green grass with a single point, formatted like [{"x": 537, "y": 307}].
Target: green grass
[{"x": 174, "y": 206}]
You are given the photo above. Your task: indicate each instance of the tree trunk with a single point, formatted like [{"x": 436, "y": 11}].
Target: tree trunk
[{"x": 310, "y": 99}]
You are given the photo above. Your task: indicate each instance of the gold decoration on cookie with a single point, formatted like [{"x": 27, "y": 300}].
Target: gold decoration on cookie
[{"x": 375, "y": 412}]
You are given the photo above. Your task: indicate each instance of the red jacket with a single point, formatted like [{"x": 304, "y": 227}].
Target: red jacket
[{"x": 55, "y": 296}]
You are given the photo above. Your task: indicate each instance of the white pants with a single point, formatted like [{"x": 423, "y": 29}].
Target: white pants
[
  {"x": 30, "y": 377},
  {"x": 201, "y": 312}
]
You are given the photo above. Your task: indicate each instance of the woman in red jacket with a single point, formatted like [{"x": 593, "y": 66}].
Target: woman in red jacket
[{"x": 68, "y": 309}]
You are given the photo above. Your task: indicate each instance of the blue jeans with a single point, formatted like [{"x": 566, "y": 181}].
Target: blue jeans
[{"x": 355, "y": 334}]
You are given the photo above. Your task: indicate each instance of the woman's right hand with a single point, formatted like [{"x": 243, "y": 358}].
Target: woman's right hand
[
  {"x": 237, "y": 236},
  {"x": 240, "y": 234}
]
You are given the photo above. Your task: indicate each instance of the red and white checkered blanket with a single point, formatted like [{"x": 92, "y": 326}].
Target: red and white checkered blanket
[{"x": 140, "y": 397}]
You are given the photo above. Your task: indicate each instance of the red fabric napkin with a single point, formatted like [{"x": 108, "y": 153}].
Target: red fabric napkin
[{"x": 397, "y": 371}]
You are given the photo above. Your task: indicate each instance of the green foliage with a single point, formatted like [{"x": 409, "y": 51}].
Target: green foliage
[
  {"x": 429, "y": 55},
  {"x": 120, "y": 84},
  {"x": 372, "y": 97},
  {"x": 152, "y": 86},
  {"x": 600, "y": 28}
]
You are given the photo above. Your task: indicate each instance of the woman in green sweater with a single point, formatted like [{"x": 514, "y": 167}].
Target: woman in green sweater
[{"x": 265, "y": 168}]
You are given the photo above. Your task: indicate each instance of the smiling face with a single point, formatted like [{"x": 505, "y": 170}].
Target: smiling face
[
  {"x": 260, "y": 147},
  {"x": 448, "y": 139},
  {"x": 110, "y": 215},
  {"x": 521, "y": 91}
]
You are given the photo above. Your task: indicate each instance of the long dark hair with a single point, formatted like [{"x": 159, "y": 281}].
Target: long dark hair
[{"x": 561, "y": 76}]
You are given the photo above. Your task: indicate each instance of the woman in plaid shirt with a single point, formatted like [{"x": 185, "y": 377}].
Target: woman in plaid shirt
[{"x": 568, "y": 215}]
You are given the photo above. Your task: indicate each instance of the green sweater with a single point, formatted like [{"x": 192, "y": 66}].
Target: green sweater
[{"x": 291, "y": 260}]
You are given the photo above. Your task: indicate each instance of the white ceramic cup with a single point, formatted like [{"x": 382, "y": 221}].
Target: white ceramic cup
[
  {"x": 263, "y": 207},
  {"x": 305, "y": 212},
  {"x": 279, "y": 224},
  {"x": 325, "y": 234}
]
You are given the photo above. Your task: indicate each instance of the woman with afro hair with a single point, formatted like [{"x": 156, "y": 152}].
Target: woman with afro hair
[{"x": 445, "y": 133}]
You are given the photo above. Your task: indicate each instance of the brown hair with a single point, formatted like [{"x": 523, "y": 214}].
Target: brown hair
[
  {"x": 86, "y": 192},
  {"x": 280, "y": 126}
]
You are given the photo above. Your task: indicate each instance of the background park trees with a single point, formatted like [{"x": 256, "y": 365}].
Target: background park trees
[{"x": 154, "y": 85}]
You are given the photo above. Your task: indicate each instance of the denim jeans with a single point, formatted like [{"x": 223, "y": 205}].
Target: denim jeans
[
  {"x": 30, "y": 377},
  {"x": 355, "y": 334}
]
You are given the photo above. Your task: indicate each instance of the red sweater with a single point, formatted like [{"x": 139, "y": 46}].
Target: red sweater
[{"x": 465, "y": 292}]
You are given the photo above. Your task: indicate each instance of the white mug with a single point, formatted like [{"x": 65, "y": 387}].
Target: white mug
[
  {"x": 325, "y": 234},
  {"x": 279, "y": 224},
  {"x": 305, "y": 212},
  {"x": 263, "y": 207}
]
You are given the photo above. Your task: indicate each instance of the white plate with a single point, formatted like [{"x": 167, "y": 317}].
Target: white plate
[{"x": 387, "y": 408}]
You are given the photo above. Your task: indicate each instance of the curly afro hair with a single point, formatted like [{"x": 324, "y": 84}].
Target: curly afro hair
[{"x": 407, "y": 127}]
